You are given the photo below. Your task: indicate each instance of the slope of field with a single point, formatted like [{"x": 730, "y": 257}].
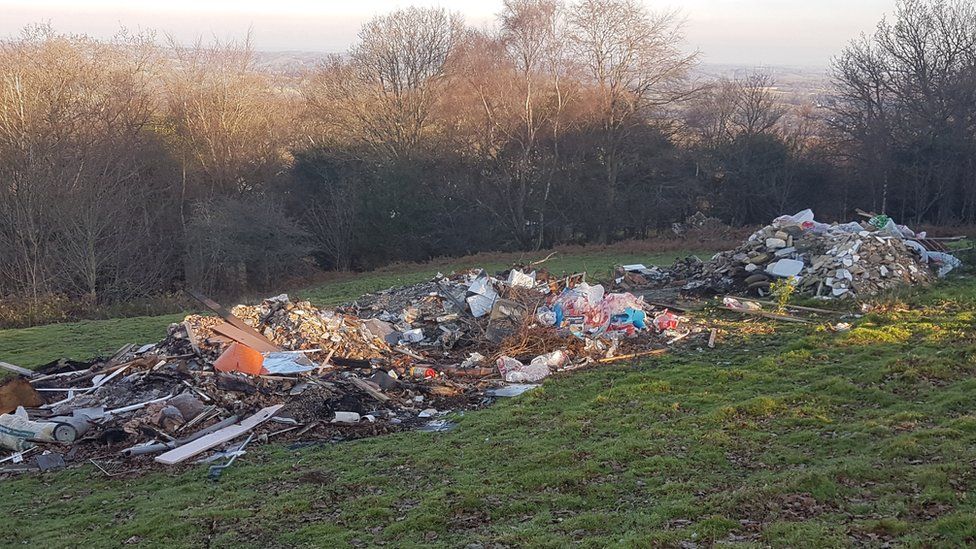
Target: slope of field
[{"x": 783, "y": 435}]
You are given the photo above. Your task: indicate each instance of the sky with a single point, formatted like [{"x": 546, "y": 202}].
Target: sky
[{"x": 743, "y": 32}]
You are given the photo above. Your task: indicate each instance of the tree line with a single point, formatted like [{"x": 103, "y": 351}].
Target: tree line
[{"x": 138, "y": 165}]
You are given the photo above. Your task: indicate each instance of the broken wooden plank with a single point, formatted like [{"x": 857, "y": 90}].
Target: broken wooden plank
[
  {"x": 797, "y": 307},
  {"x": 670, "y": 306},
  {"x": 325, "y": 363},
  {"x": 202, "y": 444},
  {"x": 409, "y": 353},
  {"x": 227, "y": 315},
  {"x": 120, "y": 353},
  {"x": 17, "y": 369},
  {"x": 765, "y": 314},
  {"x": 163, "y": 446},
  {"x": 308, "y": 428},
  {"x": 244, "y": 337},
  {"x": 191, "y": 336},
  {"x": 655, "y": 352},
  {"x": 106, "y": 378},
  {"x": 369, "y": 390}
]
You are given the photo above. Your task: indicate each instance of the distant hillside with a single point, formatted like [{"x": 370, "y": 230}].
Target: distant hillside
[
  {"x": 793, "y": 82},
  {"x": 797, "y": 82},
  {"x": 289, "y": 63}
]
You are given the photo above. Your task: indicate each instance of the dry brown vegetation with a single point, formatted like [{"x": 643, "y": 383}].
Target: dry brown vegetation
[{"x": 134, "y": 166}]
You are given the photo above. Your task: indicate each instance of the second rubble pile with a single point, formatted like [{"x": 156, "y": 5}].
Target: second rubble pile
[{"x": 839, "y": 261}]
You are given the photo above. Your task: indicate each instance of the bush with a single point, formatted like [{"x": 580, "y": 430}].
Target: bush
[{"x": 235, "y": 245}]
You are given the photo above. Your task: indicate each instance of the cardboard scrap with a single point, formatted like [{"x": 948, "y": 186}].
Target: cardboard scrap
[{"x": 18, "y": 392}]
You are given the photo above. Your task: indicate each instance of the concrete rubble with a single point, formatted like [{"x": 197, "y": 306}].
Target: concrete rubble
[{"x": 856, "y": 260}]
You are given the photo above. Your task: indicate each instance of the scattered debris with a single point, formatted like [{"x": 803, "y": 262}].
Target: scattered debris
[
  {"x": 207, "y": 442},
  {"x": 217, "y": 470},
  {"x": 409, "y": 357},
  {"x": 404, "y": 358},
  {"x": 399, "y": 359}
]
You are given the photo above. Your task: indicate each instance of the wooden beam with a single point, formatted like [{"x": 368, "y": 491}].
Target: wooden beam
[
  {"x": 17, "y": 369},
  {"x": 259, "y": 344},
  {"x": 655, "y": 352},
  {"x": 191, "y": 336},
  {"x": 120, "y": 353},
  {"x": 362, "y": 385},
  {"x": 227, "y": 315},
  {"x": 202, "y": 444},
  {"x": 764, "y": 314}
]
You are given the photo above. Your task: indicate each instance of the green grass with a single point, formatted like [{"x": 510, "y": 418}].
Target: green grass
[
  {"x": 32, "y": 347},
  {"x": 787, "y": 436}
]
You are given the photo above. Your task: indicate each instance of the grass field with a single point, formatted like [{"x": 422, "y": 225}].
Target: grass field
[{"x": 783, "y": 435}]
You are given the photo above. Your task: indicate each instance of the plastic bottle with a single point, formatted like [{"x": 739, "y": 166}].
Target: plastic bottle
[{"x": 422, "y": 372}]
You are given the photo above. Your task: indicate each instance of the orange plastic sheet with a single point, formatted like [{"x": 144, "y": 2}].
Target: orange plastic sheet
[{"x": 240, "y": 358}]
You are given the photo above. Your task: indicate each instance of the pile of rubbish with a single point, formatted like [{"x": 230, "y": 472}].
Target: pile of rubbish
[
  {"x": 839, "y": 261},
  {"x": 283, "y": 370}
]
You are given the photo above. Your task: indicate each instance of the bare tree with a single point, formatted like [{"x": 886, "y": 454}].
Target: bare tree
[
  {"x": 709, "y": 116},
  {"x": 231, "y": 125},
  {"x": 402, "y": 60},
  {"x": 736, "y": 106},
  {"x": 517, "y": 78},
  {"x": 633, "y": 59},
  {"x": 756, "y": 110},
  {"x": 861, "y": 116},
  {"x": 232, "y": 128},
  {"x": 84, "y": 174},
  {"x": 904, "y": 108},
  {"x": 336, "y": 110},
  {"x": 534, "y": 33}
]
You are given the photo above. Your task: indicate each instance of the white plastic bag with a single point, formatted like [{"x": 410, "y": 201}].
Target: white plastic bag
[
  {"x": 514, "y": 371},
  {"x": 518, "y": 279},
  {"x": 945, "y": 262}
]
